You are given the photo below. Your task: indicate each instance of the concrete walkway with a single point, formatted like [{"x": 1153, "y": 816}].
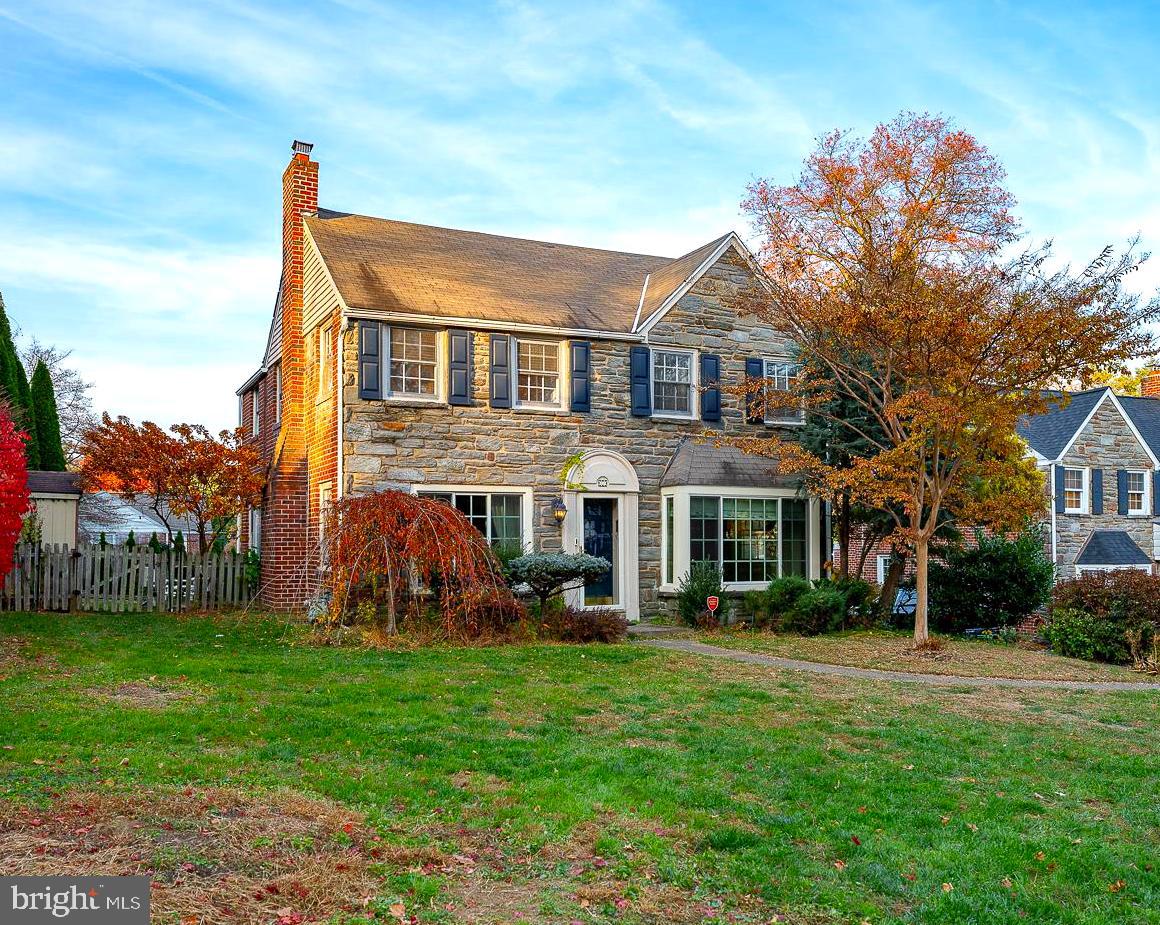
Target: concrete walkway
[{"x": 844, "y": 671}]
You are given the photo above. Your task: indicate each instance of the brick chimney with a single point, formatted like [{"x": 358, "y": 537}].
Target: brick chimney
[
  {"x": 1150, "y": 384},
  {"x": 286, "y": 568}
]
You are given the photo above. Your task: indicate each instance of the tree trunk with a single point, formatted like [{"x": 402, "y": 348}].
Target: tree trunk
[
  {"x": 844, "y": 536},
  {"x": 921, "y": 552},
  {"x": 892, "y": 581}
]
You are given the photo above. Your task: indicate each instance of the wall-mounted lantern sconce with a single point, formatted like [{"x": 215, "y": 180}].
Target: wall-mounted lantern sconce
[{"x": 559, "y": 510}]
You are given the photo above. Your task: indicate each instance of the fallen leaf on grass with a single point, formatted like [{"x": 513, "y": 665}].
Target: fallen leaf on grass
[
  {"x": 1116, "y": 887},
  {"x": 948, "y": 887}
]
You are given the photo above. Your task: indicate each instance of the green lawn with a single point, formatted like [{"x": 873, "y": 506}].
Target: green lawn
[{"x": 576, "y": 783}]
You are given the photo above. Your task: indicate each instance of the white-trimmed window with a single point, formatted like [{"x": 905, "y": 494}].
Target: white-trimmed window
[
  {"x": 883, "y": 563},
  {"x": 502, "y": 516},
  {"x": 412, "y": 369},
  {"x": 670, "y": 540},
  {"x": 1075, "y": 490},
  {"x": 255, "y": 529},
  {"x": 278, "y": 394},
  {"x": 752, "y": 540},
  {"x": 673, "y": 383},
  {"x": 256, "y": 410},
  {"x": 1137, "y": 492},
  {"x": 781, "y": 375},
  {"x": 538, "y": 365},
  {"x": 325, "y": 360},
  {"x": 325, "y": 500}
]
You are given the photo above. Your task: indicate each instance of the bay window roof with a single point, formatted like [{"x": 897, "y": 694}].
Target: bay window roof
[{"x": 725, "y": 466}]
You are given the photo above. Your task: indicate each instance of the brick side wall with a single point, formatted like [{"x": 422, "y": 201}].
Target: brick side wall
[{"x": 393, "y": 444}]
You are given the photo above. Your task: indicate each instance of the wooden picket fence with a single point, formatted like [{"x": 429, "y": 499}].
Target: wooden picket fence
[{"x": 117, "y": 579}]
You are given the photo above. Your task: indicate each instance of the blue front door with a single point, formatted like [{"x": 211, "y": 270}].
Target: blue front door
[{"x": 601, "y": 528}]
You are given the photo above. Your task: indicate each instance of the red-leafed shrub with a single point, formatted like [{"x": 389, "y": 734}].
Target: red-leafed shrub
[
  {"x": 13, "y": 489},
  {"x": 395, "y": 556}
]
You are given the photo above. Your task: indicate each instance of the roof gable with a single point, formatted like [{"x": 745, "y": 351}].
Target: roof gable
[
  {"x": 1049, "y": 434},
  {"x": 1144, "y": 413}
]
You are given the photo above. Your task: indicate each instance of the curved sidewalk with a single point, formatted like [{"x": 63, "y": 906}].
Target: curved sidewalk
[{"x": 870, "y": 674}]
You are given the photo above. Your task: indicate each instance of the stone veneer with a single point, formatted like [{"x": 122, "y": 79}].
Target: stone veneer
[
  {"x": 1105, "y": 443},
  {"x": 394, "y": 444}
]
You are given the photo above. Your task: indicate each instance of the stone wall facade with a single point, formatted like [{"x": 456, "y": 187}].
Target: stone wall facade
[
  {"x": 1105, "y": 443},
  {"x": 399, "y": 444}
]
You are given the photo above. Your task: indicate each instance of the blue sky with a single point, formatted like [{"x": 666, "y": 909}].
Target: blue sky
[{"x": 143, "y": 142}]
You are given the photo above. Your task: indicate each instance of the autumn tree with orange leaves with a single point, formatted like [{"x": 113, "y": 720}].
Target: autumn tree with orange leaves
[
  {"x": 183, "y": 472},
  {"x": 897, "y": 268}
]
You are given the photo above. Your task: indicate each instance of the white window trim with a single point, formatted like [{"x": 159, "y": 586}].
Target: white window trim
[
  {"x": 783, "y": 422},
  {"x": 440, "y": 396},
  {"x": 882, "y": 563},
  {"x": 694, "y": 412},
  {"x": 564, "y": 387},
  {"x": 526, "y": 493},
  {"x": 681, "y": 560},
  {"x": 1146, "y": 510},
  {"x": 324, "y": 345},
  {"x": 1080, "y": 570},
  {"x": 1085, "y": 493},
  {"x": 256, "y": 410},
  {"x": 255, "y": 529}
]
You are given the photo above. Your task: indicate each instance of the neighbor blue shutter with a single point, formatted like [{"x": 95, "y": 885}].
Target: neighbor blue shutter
[
  {"x": 459, "y": 344},
  {"x": 580, "y": 354},
  {"x": 639, "y": 380},
  {"x": 1097, "y": 491},
  {"x": 1122, "y": 492},
  {"x": 754, "y": 413},
  {"x": 1156, "y": 493},
  {"x": 500, "y": 373},
  {"x": 710, "y": 387},
  {"x": 1059, "y": 501},
  {"x": 370, "y": 360}
]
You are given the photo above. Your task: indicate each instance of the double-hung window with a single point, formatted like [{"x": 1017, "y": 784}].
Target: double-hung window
[
  {"x": 325, "y": 360},
  {"x": 538, "y": 373},
  {"x": 256, "y": 410},
  {"x": 412, "y": 371},
  {"x": 672, "y": 383},
  {"x": 1075, "y": 490},
  {"x": 1137, "y": 493},
  {"x": 782, "y": 376},
  {"x": 499, "y": 516}
]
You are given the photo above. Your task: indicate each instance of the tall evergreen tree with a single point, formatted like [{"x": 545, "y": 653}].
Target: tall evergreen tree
[
  {"x": 14, "y": 385},
  {"x": 46, "y": 421}
]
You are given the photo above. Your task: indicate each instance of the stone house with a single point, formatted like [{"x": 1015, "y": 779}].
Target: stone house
[
  {"x": 1098, "y": 452},
  {"x": 561, "y": 397}
]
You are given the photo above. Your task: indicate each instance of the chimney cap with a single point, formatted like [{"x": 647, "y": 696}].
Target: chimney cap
[{"x": 302, "y": 147}]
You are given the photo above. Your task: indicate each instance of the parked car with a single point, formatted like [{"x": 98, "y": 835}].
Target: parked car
[{"x": 905, "y": 602}]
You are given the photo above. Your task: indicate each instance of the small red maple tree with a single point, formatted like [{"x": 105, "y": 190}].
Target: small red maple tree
[
  {"x": 14, "y": 497},
  {"x": 397, "y": 550}
]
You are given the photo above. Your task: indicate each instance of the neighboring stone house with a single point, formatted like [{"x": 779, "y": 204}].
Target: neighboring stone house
[
  {"x": 1098, "y": 452},
  {"x": 513, "y": 378}
]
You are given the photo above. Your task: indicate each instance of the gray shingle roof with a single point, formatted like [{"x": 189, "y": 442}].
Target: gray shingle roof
[
  {"x": 705, "y": 464},
  {"x": 1145, "y": 414},
  {"x": 1050, "y": 432},
  {"x": 1112, "y": 547},
  {"x": 54, "y": 483}
]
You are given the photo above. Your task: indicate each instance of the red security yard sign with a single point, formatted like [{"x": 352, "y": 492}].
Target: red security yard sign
[{"x": 712, "y": 602}]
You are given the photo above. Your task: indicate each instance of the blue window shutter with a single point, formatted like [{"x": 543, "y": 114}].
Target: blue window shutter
[
  {"x": 370, "y": 360},
  {"x": 710, "y": 387},
  {"x": 1097, "y": 491},
  {"x": 1156, "y": 493},
  {"x": 639, "y": 380},
  {"x": 580, "y": 357},
  {"x": 459, "y": 343},
  {"x": 500, "y": 373},
  {"x": 1059, "y": 502},
  {"x": 754, "y": 413},
  {"x": 1122, "y": 492}
]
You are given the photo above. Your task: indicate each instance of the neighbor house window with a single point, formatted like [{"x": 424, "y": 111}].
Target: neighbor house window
[
  {"x": 256, "y": 410},
  {"x": 325, "y": 500},
  {"x": 782, "y": 376},
  {"x": 414, "y": 362},
  {"x": 537, "y": 372},
  {"x": 499, "y": 517},
  {"x": 883, "y": 567},
  {"x": 749, "y": 539},
  {"x": 1137, "y": 493},
  {"x": 325, "y": 360},
  {"x": 1075, "y": 491},
  {"x": 255, "y": 529},
  {"x": 672, "y": 382}
]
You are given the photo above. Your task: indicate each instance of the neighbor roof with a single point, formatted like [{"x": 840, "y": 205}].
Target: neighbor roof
[
  {"x": 1050, "y": 433},
  {"x": 1111, "y": 547},
  {"x": 696, "y": 463},
  {"x": 384, "y": 265}
]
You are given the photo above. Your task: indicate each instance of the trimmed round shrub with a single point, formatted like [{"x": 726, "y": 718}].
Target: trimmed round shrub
[
  {"x": 703, "y": 580},
  {"x": 820, "y": 610},
  {"x": 783, "y": 594}
]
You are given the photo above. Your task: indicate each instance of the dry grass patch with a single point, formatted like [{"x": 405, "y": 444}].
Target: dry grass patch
[
  {"x": 149, "y": 694},
  {"x": 890, "y": 651},
  {"x": 214, "y": 856}
]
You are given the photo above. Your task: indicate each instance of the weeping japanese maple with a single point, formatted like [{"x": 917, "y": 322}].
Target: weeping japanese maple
[
  {"x": 14, "y": 497},
  {"x": 404, "y": 554}
]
